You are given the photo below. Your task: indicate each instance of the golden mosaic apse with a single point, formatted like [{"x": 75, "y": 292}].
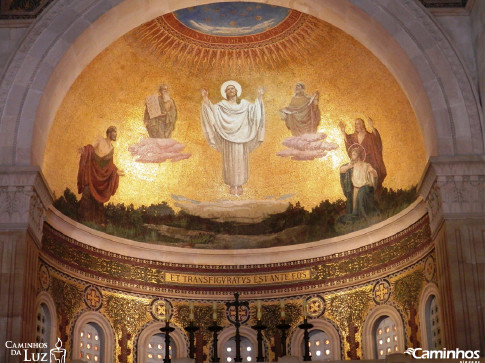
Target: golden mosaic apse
[{"x": 351, "y": 82}]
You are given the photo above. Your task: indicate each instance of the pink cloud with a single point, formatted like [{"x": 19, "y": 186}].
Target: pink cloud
[
  {"x": 152, "y": 150},
  {"x": 306, "y": 147}
]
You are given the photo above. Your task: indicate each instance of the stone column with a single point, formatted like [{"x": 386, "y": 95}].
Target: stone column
[
  {"x": 24, "y": 198},
  {"x": 454, "y": 190}
]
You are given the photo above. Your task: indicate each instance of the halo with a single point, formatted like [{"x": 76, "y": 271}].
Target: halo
[
  {"x": 232, "y": 83},
  {"x": 355, "y": 146}
]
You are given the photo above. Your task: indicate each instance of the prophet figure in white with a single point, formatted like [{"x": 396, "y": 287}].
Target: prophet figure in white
[{"x": 234, "y": 127}]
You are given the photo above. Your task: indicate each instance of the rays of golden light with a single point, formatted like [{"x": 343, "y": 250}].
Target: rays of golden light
[{"x": 158, "y": 38}]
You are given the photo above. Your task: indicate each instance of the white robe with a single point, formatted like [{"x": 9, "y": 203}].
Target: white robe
[
  {"x": 362, "y": 174},
  {"x": 235, "y": 130}
]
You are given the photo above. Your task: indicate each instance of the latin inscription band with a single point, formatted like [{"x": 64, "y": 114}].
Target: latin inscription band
[{"x": 177, "y": 278}]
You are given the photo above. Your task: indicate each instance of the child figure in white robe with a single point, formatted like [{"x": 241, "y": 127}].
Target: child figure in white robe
[{"x": 359, "y": 180}]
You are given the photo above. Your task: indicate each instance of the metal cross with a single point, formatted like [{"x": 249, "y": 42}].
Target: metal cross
[{"x": 237, "y": 323}]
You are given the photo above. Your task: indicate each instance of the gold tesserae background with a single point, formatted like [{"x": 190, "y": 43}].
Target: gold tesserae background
[{"x": 352, "y": 83}]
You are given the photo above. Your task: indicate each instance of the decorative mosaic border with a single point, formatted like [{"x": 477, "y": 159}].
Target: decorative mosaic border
[
  {"x": 348, "y": 267},
  {"x": 293, "y": 21},
  {"x": 221, "y": 298},
  {"x": 346, "y": 308}
]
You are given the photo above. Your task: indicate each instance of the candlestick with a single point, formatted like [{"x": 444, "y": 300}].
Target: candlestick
[
  {"x": 282, "y": 307},
  {"x": 167, "y": 329},
  {"x": 259, "y": 327},
  {"x": 306, "y": 339},
  {"x": 214, "y": 329},
  {"x": 283, "y": 327},
  {"x": 305, "y": 310},
  {"x": 191, "y": 328}
]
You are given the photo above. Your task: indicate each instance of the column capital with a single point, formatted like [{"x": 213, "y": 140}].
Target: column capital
[
  {"x": 454, "y": 188},
  {"x": 24, "y": 199}
]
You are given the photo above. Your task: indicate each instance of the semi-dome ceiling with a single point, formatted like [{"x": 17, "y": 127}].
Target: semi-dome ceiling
[
  {"x": 232, "y": 37},
  {"x": 255, "y": 45}
]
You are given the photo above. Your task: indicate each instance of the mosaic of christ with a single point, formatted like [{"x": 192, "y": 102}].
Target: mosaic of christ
[{"x": 234, "y": 125}]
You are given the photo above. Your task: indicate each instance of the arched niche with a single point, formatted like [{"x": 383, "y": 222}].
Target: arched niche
[
  {"x": 106, "y": 329},
  {"x": 370, "y": 324},
  {"x": 230, "y": 331},
  {"x": 428, "y": 292},
  {"x": 45, "y": 299},
  {"x": 318, "y": 324},
  {"x": 177, "y": 337},
  {"x": 417, "y": 53}
]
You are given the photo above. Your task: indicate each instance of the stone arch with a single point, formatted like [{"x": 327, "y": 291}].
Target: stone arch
[
  {"x": 46, "y": 299},
  {"x": 318, "y": 324},
  {"x": 230, "y": 331},
  {"x": 368, "y": 334},
  {"x": 65, "y": 38},
  {"x": 103, "y": 323},
  {"x": 177, "y": 336},
  {"x": 429, "y": 290}
]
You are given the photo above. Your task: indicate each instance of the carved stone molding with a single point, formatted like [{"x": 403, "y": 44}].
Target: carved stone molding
[
  {"x": 454, "y": 188},
  {"x": 468, "y": 95},
  {"x": 434, "y": 205},
  {"x": 37, "y": 214},
  {"x": 43, "y": 39},
  {"x": 13, "y": 203},
  {"x": 24, "y": 199}
]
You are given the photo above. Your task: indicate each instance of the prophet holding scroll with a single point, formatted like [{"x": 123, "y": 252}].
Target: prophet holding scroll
[{"x": 234, "y": 127}]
